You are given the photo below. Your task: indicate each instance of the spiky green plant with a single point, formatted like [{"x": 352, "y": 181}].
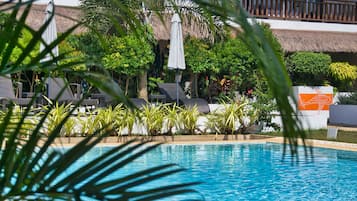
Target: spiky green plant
[
  {"x": 87, "y": 123},
  {"x": 106, "y": 119},
  {"x": 188, "y": 119},
  {"x": 226, "y": 121},
  {"x": 153, "y": 118},
  {"x": 171, "y": 117},
  {"x": 125, "y": 119},
  {"x": 56, "y": 115}
]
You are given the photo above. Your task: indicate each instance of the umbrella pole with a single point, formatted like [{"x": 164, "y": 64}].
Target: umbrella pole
[{"x": 177, "y": 86}]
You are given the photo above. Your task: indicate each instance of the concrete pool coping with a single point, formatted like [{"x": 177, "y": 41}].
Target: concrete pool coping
[{"x": 207, "y": 139}]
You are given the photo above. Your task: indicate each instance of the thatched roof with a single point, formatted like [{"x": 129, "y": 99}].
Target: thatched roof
[
  {"x": 290, "y": 40},
  {"x": 316, "y": 41},
  {"x": 190, "y": 26},
  {"x": 161, "y": 28},
  {"x": 37, "y": 15}
]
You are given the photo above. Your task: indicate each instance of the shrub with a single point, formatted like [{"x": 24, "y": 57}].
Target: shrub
[
  {"x": 308, "y": 68},
  {"x": 153, "y": 118},
  {"x": 188, "y": 118},
  {"x": 342, "y": 75},
  {"x": 348, "y": 100}
]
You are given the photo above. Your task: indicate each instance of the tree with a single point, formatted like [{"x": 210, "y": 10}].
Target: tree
[
  {"x": 199, "y": 59},
  {"x": 237, "y": 62},
  {"x": 128, "y": 55}
]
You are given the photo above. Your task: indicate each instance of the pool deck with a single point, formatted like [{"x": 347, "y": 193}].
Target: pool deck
[{"x": 207, "y": 139}]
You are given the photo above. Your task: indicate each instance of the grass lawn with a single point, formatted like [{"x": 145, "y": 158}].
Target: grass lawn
[{"x": 342, "y": 136}]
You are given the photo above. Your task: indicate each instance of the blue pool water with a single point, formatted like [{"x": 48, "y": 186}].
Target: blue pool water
[{"x": 253, "y": 171}]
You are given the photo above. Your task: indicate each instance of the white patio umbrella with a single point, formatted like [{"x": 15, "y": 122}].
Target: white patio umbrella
[
  {"x": 50, "y": 34},
  {"x": 176, "y": 53}
]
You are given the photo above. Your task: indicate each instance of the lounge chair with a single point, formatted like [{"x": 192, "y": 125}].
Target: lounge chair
[
  {"x": 54, "y": 87},
  {"x": 170, "y": 90},
  {"x": 106, "y": 100},
  {"x": 7, "y": 94}
]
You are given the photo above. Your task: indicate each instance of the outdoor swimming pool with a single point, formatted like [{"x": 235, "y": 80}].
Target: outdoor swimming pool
[{"x": 254, "y": 171}]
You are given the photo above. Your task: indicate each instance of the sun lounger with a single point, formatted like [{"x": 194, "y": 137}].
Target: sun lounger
[
  {"x": 54, "y": 87},
  {"x": 106, "y": 100},
  {"x": 170, "y": 90},
  {"x": 7, "y": 94}
]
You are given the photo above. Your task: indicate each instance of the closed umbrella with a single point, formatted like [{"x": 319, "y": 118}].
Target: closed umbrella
[
  {"x": 50, "y": 33},
  {"x": 176, "y": 53}
]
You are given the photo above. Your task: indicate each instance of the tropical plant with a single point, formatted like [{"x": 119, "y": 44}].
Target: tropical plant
[
  {"x": 128, "y": 55},
  {"x": 225, "y": 121},
  {"x": 187, "y": 118},
  {"x": 342, "y": 75},
  {"x": 264, "y": 104},
  {"x": 125, "y": 119},
  {"x": 29, "y": 122},
  {"x": 153, "y": 118},
  {"x": 236, "y": 61},
  {"x": 308, "y": 68},
  {"x": 171, "y": 117},
  {"x": 87, "y": 123},
  {"x": 199, "y": 59},
  {"x": 56, "y": 115},
  {"x": 106, "y": 119}
]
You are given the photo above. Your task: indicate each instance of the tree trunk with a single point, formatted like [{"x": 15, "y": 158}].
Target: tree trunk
[
  {"x": 143, "y": 86},
  {"x": 195, "y": 84},
  {"x": 127, "y": 85}
]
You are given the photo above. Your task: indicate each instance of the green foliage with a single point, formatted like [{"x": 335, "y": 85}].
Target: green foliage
[
  {"x": 308, "y": 68},
  {"x": 171, "y": 117},
  {"x": 125, "y": 119},
  {"x": 236, "y": 61},
  {"x": 99, "y": 14},
  {"x": 152, "y": 84},
  {"x": 129, "y": 55},
  {"x": 89, "y": 44},
  {"x": 153, "y": 118},
  {"x": 233, "y": 57},
  {"x": 188, "y": 120},
  {"x": 23, "y": 41},
  {"x": 56, "y": 116},
  {"x": 199, "y": 57},
  {"x": 264, "y": 104},
  {"x": 73, "y": 55},
  {"x": 106, "y": 119},
  {"x": 225, "y": 121},
  {"x": 348, "y": 100},
  {"x": 342, "y": 75},
  {"x": 343, "y": 71}
]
